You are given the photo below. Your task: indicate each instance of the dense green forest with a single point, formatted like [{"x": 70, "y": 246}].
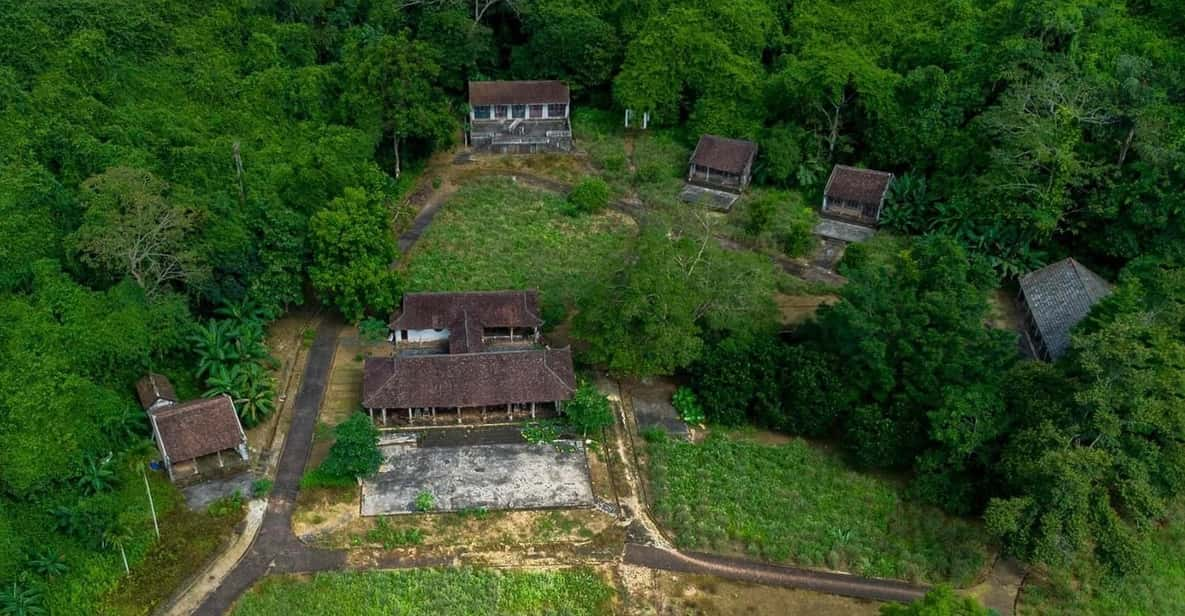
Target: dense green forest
[{"x": 174, "y": 174}]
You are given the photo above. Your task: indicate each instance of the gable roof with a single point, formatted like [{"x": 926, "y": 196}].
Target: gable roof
[
  {"x": 1059, "y": 296},
  {"x": 152, "y": 387},
  {"x": 485, "y": 309},
  {"x": 859, "y": 185},
  {"x": 724, "y": 154},
  {"x": 517, "y": 92},
  {"x": 467, "y": 380},
  {"x": 197, "y": 428}
]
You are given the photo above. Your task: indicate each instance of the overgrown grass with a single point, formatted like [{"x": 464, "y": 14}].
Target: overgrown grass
[
  {"x": 1085, "y": 589},
  {"x": 188, "y": 539},
  {"x": 432, "y": 592},
  {"x": 795, "y": 503},
  {"x": 494, "y": 234},
  {"x": 659, "y": 156}
]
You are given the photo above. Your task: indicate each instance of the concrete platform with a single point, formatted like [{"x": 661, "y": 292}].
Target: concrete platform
[
  {"x": 843, "y": 231},
  {"x": 708, "y": 197},
  {"x": 499, "y": 476}
]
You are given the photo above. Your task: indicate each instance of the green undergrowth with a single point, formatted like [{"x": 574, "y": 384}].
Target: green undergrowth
[
  {"x": 1157, "y": 587},
  {"x": 795, "y": 503},
  {"x": 432, "y": 592}
]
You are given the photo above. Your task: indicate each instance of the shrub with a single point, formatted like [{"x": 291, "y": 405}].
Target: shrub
[
  {"x": 261, "y": 487},
  {"x": 425, "y": 501},
  {"x": 391, "y": 537},
  {"x": 588, "y": 410},
  {"x": 372, "y": 330},
  {"x": 688, "y": 406},
  {"x": 589, "y": 196},
  {"x": 540, "y": 432},
  {"x": 355, "y": 453}
]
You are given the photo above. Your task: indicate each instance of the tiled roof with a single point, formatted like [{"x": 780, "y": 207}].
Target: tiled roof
[
  {"x": 468, "y": 380},
  {"x": 153, "y": 387},
  {"x": 859, "y": 185},
  {"x": 486, "y": 309},
  {"x": 723, "y": 154},
  {"x": 1059, "y": 296},
  {"x": 517, "y": 92},
  {"x": 197, "y": 428}
]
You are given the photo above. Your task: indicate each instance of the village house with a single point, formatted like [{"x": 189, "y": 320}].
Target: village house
[
  {"x": 722, "y": 163},
  {"x": 519, "y": 117},
  {"x": 470, "y": 356},
  {"x": 467, "y": 322},
  {"x": 856, "y": 195},
  {"x": 194, "y": 434},
  {"x": 1054, "y": 299}
]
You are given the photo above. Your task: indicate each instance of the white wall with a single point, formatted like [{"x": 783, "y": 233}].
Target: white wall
[{"x": 422, "y": 335}]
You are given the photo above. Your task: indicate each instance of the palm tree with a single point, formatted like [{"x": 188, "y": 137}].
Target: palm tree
[
  {"x": 48, "y": 562},
  {"x": 17, "y": 600},
  {"x": 257, "y": 394},
  {"x": 215, "y": 346},
  {"x": 97, "y": 475},
  {"x": 116, "y": 535}
]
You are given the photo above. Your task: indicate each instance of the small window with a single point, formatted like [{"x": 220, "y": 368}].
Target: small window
[
  {"x": 481, "y": 112},
  {"x": 557, "y": 110},
  {"x": 518, "y": 111},
  {"x": 500, "y": 111},
  {"x": 403, "y": 334},
  {"x": 536, "y": 111}
]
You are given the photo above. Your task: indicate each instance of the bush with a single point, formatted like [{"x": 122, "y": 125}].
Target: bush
[
  {"x": 588, "y": 410},
  {"x": 355, "y": 453},
  {"x": 391, "y": 537},
  {"x": 688, "y": 406},
  {"x": 318, "y": 479},
  {"x": 372, "y": 330},
  {"x": 539, "y": 432},
  {"x": 779, "y": 220},
  {"x": 261, "y": 487},
  {"x": 589, "y": 196},
  {"x": 425, "y": 501}
]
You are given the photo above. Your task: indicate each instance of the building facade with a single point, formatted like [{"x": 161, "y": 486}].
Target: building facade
[
  {"x": 856, "y": 195},
  {"x": 519, "y": 117}
]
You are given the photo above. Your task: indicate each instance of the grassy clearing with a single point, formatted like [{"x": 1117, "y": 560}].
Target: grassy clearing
[
  {"x": 659, "y": 157},
  {"x": 188, "y": 540},
  {"x": 494, "y": 234},
  {"x": 457, "y": 592},
  {"x": 795, "y": 503},
  {"x": 1159, "y": 588}
]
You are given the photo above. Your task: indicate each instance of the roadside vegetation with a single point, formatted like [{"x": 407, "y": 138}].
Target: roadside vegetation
[
  {"x": 430, "y": 592},
  {"x": 798, "y": 504}
]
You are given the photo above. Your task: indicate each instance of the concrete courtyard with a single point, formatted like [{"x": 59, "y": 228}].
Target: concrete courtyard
[{"x": 497, "y": 476}]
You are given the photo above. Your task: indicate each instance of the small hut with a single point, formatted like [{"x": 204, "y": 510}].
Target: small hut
[
  {"x": 856, "y": 195},
  {"x": 187, "y": 433},
  {"x": 1054, "y": 299},
  {"x": 722, "y": 163},
  {"x": 154, "y": 391}
]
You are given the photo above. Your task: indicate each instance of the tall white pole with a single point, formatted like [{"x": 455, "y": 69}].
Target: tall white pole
[{"x": 151, "y": 505}]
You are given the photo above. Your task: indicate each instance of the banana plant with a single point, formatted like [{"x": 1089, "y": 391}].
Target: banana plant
[
  {"x": 17, "y": 600},
  {"x": 97, "y": 475}
]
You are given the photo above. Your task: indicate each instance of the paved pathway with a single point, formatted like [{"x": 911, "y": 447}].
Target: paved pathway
[{"x": 275, "y": 548}]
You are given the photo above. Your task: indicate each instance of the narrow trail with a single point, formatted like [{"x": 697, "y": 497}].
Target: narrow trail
[{"x": 276, "y": 550}]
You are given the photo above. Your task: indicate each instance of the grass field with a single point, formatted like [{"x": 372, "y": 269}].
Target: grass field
[
  {"x": 798, "y": 504},
  {"x": 432, "y": 592},
  {"x": 1159, "y": 588},
  {"x": 494, "y": 234}
]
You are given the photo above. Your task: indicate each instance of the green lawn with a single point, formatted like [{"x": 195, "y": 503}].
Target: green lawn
[
  {"x": 1159, "y": 588},
  {"x": 494, "y": 234},
  {"x": 432, "y": 592},
  {"x": 798, "y": 504}
]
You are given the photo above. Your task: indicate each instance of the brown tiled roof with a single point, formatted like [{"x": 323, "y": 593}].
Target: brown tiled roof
[
  {"x": 153, "y": 387},
  {"x": 487, "y": 309},
  {"x": 517, "y": 92},
  {"x": 464, "y": 336},
  {"x": 723, "y": 154},
  {"x": 859, "y": 185},
  {"x": 467, "y": 380},
  {"x": 198, "y": 427},
  {"x": 1059, "y": 296}
]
